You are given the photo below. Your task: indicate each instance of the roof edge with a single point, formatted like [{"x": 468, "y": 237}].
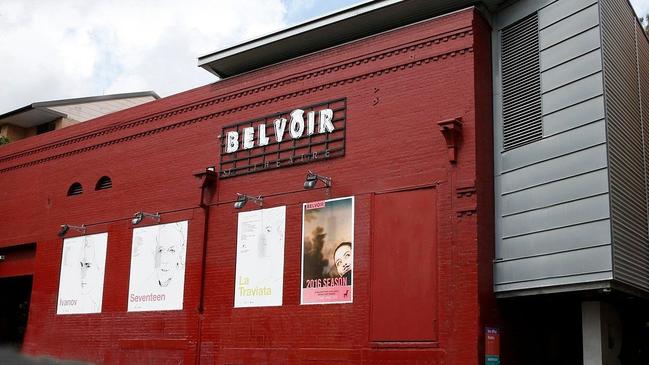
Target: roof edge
[
  {"x": 91, "y": 99},
  {"x": 307, "y": 25},
  {"x": 340, "y": 27}
]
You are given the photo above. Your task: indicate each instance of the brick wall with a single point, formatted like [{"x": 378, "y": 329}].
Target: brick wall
[{"x": 398, "y": 85}]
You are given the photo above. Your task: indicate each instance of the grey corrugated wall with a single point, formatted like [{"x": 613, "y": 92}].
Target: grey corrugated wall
[{"x": 626, "y": 143}]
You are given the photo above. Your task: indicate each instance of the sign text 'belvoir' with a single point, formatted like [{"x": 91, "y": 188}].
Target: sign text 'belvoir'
[{"x": 298, "y": 136}]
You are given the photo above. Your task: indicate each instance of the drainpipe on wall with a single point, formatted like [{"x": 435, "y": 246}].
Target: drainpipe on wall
[{"x": 208, "y": 181}]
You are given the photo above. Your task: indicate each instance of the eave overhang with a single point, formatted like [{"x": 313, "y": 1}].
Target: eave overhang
[{"x": 346, "y": 25}]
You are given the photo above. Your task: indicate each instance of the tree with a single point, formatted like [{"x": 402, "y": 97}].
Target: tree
[{"x": 3, "y": 140}]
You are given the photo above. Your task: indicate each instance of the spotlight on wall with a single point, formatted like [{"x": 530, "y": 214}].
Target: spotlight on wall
[
  {"x": 139, "y": 216},
  {"x": 312, "y": 179},
  {"x": 242, "y": 199},
  {"x": 66, "y": 227}
]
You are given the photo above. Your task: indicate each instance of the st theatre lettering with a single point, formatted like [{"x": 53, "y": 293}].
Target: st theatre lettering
[{"x": 307, "y": 157}]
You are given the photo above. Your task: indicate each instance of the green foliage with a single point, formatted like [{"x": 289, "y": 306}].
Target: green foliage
[{"x": 3, "y": 140}]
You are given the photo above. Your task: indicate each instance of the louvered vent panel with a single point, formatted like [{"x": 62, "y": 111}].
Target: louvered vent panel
[
  {"x": 75, "y": 189},
  {"x": 521, "y": 81},
  {"x": 104, "y": 183}
]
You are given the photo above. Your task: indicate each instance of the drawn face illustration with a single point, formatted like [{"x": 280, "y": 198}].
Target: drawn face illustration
[
  {"x": 168, "y": 255},
  {"x": 89, "y": 271},
  {"x": 343, "y": 258}
]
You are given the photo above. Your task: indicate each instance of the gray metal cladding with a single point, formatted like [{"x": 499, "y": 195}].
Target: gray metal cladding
[
  {"x": 566, "y": 214},
  {"x": 573, "y": 238},
  {"x": 625, "y": 144},
  {"x": 574, "y": 116},
  {"x": 564, "y": 267},
  {"x": 562, "y": 168},
  {"x": 557, "y": 145},
  {"x": 521, "y": 82},
  {"x": 557, "y": 11},
  {"x": 558, "y": 192},
  {"x": 643, "y": 78},
  {"x": 572, "y": 70},
  {"x": 572, "y": 204},
  {"x": 552, "y": 194},
  {"x": 566, "y": 96},
  {"x": 564, "y": 51}
]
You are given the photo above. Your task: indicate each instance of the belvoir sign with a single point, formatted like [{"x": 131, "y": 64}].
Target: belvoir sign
[
  {"x": 296, "y": 129},
  {"x": 301, "y": 135}
]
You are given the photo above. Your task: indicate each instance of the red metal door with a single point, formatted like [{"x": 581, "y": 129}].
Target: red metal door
[{"x": 404, "y": 270}]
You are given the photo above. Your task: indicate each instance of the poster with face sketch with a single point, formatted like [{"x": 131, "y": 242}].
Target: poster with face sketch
[
  {"x": 81, "y": 284},
  {"x": 259, "y": 278},
  {"x": 327, "y": 251},
  {"x": 157, "y": 280}
]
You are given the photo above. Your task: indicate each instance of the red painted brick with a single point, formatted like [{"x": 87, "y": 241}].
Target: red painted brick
[{"x": 398, "y": 85}]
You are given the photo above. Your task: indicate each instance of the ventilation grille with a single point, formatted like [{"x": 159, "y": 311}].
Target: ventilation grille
[
  {"x": 521, "y": 81},
  {"x": 104, "y": 183},
  {"x": 75, "y": 189}
]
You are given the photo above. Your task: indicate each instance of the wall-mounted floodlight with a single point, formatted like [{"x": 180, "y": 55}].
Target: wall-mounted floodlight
[
  {"x": 242, "y": 199},
  {"x": 66, "y": 227},
  {"x": 2, "y": 257},
  {"x": 139, "y": 216},
  {"x": 312, "y": 179}
]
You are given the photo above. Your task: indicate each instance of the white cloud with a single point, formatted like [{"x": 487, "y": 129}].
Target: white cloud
[
  {"x": 75, "y": 48},
  {"x": 641, "y": 7}
]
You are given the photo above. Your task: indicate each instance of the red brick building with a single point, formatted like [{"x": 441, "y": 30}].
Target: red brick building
[{"x": 413, "y": 109}]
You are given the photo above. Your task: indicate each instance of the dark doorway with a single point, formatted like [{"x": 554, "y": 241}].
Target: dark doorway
[
  {"x": 14, "y": 308},
  {"x": 541, "y": 330}
]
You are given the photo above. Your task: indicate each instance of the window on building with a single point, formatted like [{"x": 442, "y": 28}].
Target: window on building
[{"x": 45, "y": 127}]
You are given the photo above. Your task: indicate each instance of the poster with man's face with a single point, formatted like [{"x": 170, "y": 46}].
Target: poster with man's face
[
  {"x": 327, "y": 251},
  {"x": 81, "y": 284},
  {"x": 157, "y": 280},
  {"x": 259, "y": 278}
]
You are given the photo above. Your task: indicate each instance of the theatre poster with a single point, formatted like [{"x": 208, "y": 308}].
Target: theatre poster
[
  {"x": 157, "y": 278},
  {"x": 259, "y": 278},
  {"x": 327, "y": 251},
  {"x": 81, "y": 284}
]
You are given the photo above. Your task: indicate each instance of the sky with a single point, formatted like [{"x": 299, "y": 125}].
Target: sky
[{"x": 52, "y": 50}]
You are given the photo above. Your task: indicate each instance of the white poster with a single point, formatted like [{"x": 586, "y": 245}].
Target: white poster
[
  {"x": 259, "y": 276},
  {"x": 81, "y": 284},
  {"x": 157, "y": 280}
]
